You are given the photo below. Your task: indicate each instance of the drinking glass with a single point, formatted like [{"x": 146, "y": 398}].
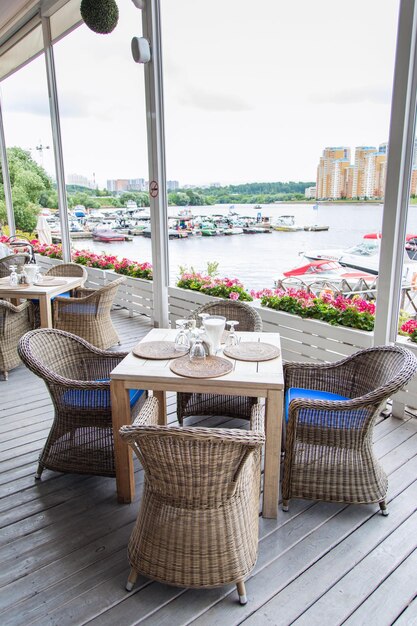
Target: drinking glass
[
  {"x": 214, "y": 326},
  {"x": 13, "y": 278},
  {"x": 198, "y": 351},
  {"x": 232, "y": 339},
  {"x": 182, "y": 343}
]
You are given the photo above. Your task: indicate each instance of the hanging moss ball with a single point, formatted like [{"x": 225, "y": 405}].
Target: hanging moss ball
[{"x": 101, "y": 16}]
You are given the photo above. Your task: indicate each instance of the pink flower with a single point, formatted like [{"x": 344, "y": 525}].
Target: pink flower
[{"x": 233, "y": 295}]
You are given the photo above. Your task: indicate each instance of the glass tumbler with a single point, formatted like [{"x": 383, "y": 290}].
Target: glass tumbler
[
  {"x": 182, "y": 342},
  {"x": 232, "y": 339}
]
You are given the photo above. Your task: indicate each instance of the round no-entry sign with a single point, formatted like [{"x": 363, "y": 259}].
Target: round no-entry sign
[{"x": 153, "y": 188}]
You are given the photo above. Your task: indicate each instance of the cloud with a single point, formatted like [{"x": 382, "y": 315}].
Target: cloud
[
  {"x": 376, "y": 94},
  {"x": 209, "y": 101},
  {"x": 71, "y": 105}
]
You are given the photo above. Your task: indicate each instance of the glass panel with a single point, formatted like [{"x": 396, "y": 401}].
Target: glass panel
[
  {"x": 28, "y": 137},
  {"x": 103, "y": 121},
  {"x": 407, "y": 323},
  {"x": 269, "y": 105}
]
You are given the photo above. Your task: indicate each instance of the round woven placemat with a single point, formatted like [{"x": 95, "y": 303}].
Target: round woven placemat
[
  {"x": 252, "y": 351},
  {"x": 210, "y": 367},
  {"x": 157, "y": 350}
]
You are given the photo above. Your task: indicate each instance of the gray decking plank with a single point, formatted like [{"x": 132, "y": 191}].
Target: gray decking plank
[
  {"x": 65, "y": 576},
  {"x": 385, "y": 604},
  {"x": 268, "y": 579}
]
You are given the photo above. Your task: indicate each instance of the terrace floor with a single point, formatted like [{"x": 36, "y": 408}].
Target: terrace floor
[{"x": 63, "y": 540}]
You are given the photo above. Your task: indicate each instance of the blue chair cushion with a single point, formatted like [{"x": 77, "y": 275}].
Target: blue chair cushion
[
  {"x": 294, "y": 393},
  {"x": 96, "y": 398}
]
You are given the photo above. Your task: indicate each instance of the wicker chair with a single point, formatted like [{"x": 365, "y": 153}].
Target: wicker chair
[
  {"x": 12, "y": 259},
  {"x": 78, "y": 379},
  {"x": 198, "y": 521},
  {"x": 68, "y": 269},
  {"x": 15, "y": 321},
  {"x": 88, "y": 314},
  {"x": 208, "y": 403},
  {"x": 328, "y": 452}
]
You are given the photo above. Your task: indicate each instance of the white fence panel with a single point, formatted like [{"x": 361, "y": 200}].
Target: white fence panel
[
  {"x": 307, "y": 339},
  {"x": 407, "y": 396}
]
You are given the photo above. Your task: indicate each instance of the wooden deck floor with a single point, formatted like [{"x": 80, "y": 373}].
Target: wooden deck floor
[{"x": 63, "y": 540}]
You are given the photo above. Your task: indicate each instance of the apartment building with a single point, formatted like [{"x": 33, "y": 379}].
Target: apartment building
[{"x": 326, "y": 170}]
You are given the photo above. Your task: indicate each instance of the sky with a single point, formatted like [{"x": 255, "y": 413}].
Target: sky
[{"x": 253, "y": 91}]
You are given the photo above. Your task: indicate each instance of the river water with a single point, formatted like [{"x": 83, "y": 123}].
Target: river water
[{"x": 258, "y": 259}]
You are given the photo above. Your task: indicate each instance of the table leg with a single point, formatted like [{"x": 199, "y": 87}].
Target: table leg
[
  {"x": 161, "y": 396},
  {"x": 45, "y": 311},
  {"x": 125, "y": 480},
  {"x": 273, "y": 433}
]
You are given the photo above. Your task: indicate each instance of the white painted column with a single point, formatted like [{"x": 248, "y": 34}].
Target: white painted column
[
  {"x": 57, "y": 140},
  {"x": 151, "y": 25},
  {"x": 6, "y": 178},
  {"x": 397, "y": 191}
]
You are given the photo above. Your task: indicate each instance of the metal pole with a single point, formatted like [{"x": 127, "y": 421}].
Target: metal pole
[
  {"x": 6, "y": 178},
  {"x": 151, "y": 26},
  {"x": 397, "y": 191},
  {"x": 57, "y": 140}
]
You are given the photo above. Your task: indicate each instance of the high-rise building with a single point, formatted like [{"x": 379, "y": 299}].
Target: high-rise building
[
  {"x": 340, "y": 173},
  {"x": 326, "y": 170},
  {"x": 375, "y": 175},
  {"x": 136, "y": 184},
  {"x": 78, "y": 179},
  {"x": 172, "y": 185},
  {"x": 358, "y": 184},
  {"x": 126, "y": 184}
]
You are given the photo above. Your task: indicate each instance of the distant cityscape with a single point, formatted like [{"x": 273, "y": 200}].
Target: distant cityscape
[{"x": 338, "y": 178}]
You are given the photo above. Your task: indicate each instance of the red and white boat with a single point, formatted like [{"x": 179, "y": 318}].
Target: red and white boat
[{"x": 325, "y": 271}]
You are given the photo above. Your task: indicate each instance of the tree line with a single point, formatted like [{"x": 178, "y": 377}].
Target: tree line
[{"x": 33, "y": 189}]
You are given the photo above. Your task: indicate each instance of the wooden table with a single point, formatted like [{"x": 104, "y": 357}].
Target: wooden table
[
  {"x": 43, "y": 293},
  {"x": 261, "y": 380}
]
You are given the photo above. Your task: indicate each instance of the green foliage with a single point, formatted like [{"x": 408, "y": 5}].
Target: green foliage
[
  {"x": 248, "y": 193},
  {"x": 322, "y": 309},
  {"x": 90, "y": 202},
  {"x": 101, "y": 16},
  {"x": 140, "y": 197},
  {"x": 30, "y": 184}
]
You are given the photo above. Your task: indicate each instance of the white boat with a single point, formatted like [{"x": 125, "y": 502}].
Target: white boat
[
  {"x": 286, "y": 223},
  {"x": 364, "y": 256}
]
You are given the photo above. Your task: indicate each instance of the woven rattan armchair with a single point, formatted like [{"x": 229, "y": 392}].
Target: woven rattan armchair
[
  {"x": 208, "y": 403},
  {"x": 15, "y": 321},
  {"x": 77, "y": 376},
  {"x": 198, "y": 521},
  {"x": 88, "y": 314},
  {"x": 12, "y": 259},
  {"x": 68, "y": 269},
  {"x": 328, "y": 452}
]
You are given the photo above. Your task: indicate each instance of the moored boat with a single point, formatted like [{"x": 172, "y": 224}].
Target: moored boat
[
  {"x": 286, "y": 223},
  {"x": 107, "y": 235}
]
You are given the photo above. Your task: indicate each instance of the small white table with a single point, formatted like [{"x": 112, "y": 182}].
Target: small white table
[
  {"x": 43, "y": 293},
  {"x": 263, "y": 379}
]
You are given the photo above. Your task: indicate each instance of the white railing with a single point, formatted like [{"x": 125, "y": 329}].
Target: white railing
[{"x": 301, "y": 339}]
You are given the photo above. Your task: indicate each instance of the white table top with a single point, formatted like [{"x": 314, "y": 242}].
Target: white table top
[
  {"x": 34, "y": 291},
  {"x": 246, "y": 377}
]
